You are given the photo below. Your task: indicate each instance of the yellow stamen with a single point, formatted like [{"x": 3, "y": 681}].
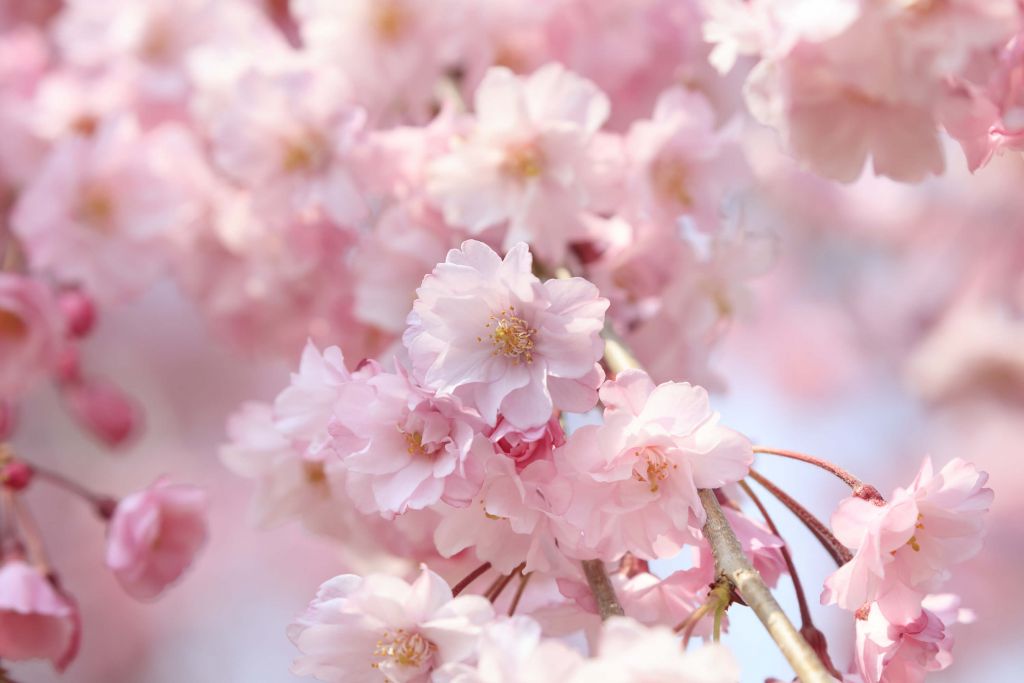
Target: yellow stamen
[
  {"x": 404, "y": 649},
  {"x": 512, "y": 337}
]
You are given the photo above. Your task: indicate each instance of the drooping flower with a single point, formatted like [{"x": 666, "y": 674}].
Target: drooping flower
[
  {"x": 889, "y": 652},
  {"x": 363, "y": 629},
  {"x": 526, "y": 161},
  {"x": 154, "y": 537},
  {"x": 486, "y": 330},
  {"x": 638, "y": 472},
  {"x": 37, "y": 619},
  {"x": 905, "y": 547}
]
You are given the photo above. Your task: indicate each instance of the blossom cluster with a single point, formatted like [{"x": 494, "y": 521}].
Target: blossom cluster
[{"x": 464, "y": 209}]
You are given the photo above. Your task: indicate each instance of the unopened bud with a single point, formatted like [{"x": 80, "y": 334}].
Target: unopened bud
[
  {"x": 79, "y": 312},
  {"x": 104, "y": 410}
]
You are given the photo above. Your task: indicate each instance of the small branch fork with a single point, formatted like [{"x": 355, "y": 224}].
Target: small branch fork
[{"x": 734, "y": 566}]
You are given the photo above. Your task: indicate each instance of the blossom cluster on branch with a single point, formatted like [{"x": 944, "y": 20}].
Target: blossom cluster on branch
[{"x": 511, "y": 237}]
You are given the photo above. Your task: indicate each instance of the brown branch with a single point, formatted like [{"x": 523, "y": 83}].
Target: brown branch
[
  {"x": 860, "y": 489},
  {"x": 732, "y": 564},
  {"x": 601, "y": 586}
]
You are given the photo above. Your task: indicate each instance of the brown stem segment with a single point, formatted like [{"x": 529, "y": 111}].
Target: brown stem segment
[
  {"x": 601, "y": 586},
  {"x": 734, "y": 565},
  {"x": 104, "y": 505},
  {"x": 837, "y": 550},
  {"x": 470, "y": 578},
  {"x": 860, "y": 489}
]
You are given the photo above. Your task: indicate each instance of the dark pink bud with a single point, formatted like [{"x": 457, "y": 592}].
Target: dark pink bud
[
  {"x": 79, "y": 312},
  {"x": 103, "y": 409},
  {"x": 16, "y": 475}
]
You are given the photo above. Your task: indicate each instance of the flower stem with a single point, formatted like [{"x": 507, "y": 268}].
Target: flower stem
[
  {"x": 860, "y": 489},
  {"x": 104, "y": 505},
  {"x": 837, "y": 550},
  {"x": 807, "y": 627},
  {"x": 732, "y": 564},
  {"x": 470, "y": 578},
  {"x": 523, "y": 580}
]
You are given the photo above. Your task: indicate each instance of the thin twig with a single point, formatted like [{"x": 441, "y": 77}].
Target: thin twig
[
  {"x": 815, "y": 638},
  {"x": 525, "y": 579},
  {"x": 470, "y": 578},
  {"x": 860, "y": 489},
  {"x": 104, "y": 505},
  {"x": 840, "y": 553}
]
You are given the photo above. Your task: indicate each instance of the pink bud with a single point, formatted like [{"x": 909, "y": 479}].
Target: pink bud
[
  {"x": 15, "y": 475},
  {"x": 154, "y": 536},
  {"x": 79, "y": 312},
  {"x": 103, "y": 409}
]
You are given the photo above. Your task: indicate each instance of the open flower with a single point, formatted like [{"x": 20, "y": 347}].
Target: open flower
[
  {"x": 365, "y": 629},
  {"x": 638, "y": 473},
  {"x": 903, "y": 548},
  {"x": 526, "y": 161},
  {"x": 37, "y": 619},
  {"x": 409, "y": 445},
  {"x": 487, "y": 330},
  {"x": 154, "y": 536}
]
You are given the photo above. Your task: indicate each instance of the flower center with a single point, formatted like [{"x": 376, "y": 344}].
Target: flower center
[
  {"x": 511, "y": 336},
  {"x": 97, "y": 210},
  {"x": 314, "y": 471},
  {"x": 524, "y": 161},
  {"x": 671, "y": 181},
  {"x": 390, "y": 22},
  {"x": 401, "y": 648},
  {"x": 652, "y": 467},
  {"x": 306, "y": 152},
  {"x": 12, "y": 325}
]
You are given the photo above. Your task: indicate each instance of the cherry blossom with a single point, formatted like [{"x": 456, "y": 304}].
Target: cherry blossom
[
  {"x": 154, "y": 536},
  {"x": 31, "y": 332},
  {"x": 37, "y": 619},
  {"x": 362, "y": 628},
  {"x": 525, "y": 162},
  {"x": 639, "y": 471},
  {"x": 486, "y": 330}
]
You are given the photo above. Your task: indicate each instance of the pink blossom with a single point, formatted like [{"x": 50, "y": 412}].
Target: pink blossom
[
  {"x": 31, "y": 332},
  {"x": 288, "y": 138},
  {"x": 154, "y": 536},
  {"x": 906, "y": 652},
  {"x": 513, "y": 651},
  {"x": 679, "y": 164},
  {"x": 37, "y": 619},
  {"x": 639, "y": 471},
  {"x": 513, "y": 517},
  {"x": 290, "y": 485},
  {"x": 526, "y": 161},
  {"x": 488, "y": 331},
  {"x": 103, "y": 409},
  {"x": 404, "y": 445},
  {"x": 360, "y": 629},
  {"x": 906, "y": 546},
  {"x": 392, "y": 51},
  {"x": 102, "y": 202},
  {"x": 630, "y": 652}
]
